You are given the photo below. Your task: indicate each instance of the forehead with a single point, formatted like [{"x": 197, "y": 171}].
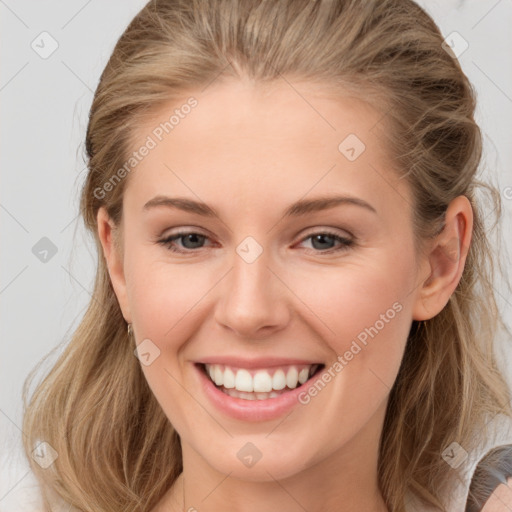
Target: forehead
[
  {"x": 275, "y": 111},
  {"x": 274, "y": 141}
]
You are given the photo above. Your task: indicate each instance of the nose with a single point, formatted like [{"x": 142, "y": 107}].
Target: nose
[{"x": 253, "y": 301}]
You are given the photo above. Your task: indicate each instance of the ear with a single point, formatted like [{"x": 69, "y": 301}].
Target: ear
[
  {"x": 110, "y": 240},
  {"x": 446, "y": 258}
]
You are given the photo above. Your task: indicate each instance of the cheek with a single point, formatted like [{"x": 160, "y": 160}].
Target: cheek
[
  {"x": 165, "y": 299},
  {"x": 363, "y": 313},
  {"x": 350, "y": 300},
  {"x": 355, "y": 301},
  {"x": 163, "y": 295},
  {"x": 364, "y": 317}
]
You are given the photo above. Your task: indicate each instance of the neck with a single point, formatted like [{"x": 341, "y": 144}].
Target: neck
[{"x": 342, "y": 481}]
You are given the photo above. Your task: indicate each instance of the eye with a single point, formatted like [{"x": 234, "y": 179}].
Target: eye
[
  {"x": 323, "y": 240},
  {"x": 191, "y": 240}
]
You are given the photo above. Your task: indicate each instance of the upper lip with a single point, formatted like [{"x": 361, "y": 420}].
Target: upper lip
[{"x": 258, "y": 362}]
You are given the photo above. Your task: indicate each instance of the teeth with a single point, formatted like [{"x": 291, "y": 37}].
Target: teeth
[
  {"x": 243, "y": 381},
  {"x": 279, "y": 380},
  {"x": 250, "y": 396},
  {"x": 303, "y": 375},
  {"x": 258, "y": 383},
  {"x": 262, "y": 382},
  {"x": 218, "y": 376},
  {"x": 292, "y": 378},
  {"x": 229, "y": 378}
]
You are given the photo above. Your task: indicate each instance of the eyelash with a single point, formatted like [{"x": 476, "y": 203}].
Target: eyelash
[{"x": 345, "y": 242}]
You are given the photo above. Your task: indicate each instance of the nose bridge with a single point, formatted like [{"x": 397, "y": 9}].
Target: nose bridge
[{"x": 252, "y": 296}]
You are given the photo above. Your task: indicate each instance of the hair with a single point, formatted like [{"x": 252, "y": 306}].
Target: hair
[
  {"x": 495, "y": 468},
  {"x": 116, "y": 448}
]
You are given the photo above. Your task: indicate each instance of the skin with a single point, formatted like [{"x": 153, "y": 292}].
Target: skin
[
  {"x": 501, "y": 499},
  {"x": 249, "y": 152}
]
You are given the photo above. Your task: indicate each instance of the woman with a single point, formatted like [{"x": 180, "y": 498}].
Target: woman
[{"x": 229, "y": 359}]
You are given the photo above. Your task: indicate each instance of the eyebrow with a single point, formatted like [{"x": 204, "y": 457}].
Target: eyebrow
[{"x": 301, "y": 207}]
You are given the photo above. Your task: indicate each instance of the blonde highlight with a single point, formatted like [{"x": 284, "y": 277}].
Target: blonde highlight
[{"x": 117, "y": 449}]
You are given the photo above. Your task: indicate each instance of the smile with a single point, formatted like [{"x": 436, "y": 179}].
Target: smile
[{"x": 259, "y": 383}]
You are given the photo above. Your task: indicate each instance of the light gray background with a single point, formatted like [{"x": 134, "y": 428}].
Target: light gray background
[{"x": 45, "y": 105}]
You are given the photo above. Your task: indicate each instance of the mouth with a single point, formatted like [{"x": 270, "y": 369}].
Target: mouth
[{"x": 259, "y": 383}]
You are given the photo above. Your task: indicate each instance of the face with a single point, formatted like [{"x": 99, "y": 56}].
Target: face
[{"x": 261, "y": 293}]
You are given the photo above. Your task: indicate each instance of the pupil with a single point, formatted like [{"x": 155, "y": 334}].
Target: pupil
[
  {"x": 320, "y": 238},
  {"x": 196, "y": 239},
  {"x": 188, "y": 237}
]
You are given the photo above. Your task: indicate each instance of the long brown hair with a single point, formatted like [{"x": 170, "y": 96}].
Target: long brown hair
[{"x": 116, "y": 448}]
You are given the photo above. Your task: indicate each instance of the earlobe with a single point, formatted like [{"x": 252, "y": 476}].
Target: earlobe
[
  {"x": 446, "y": 260},
  {"x": 114, "y": 260}
]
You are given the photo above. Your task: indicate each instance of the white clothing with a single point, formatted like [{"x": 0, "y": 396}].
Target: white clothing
[{"x": 464, "y": 464}]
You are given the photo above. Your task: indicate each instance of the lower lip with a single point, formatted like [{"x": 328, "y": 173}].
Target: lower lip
[{"x": 253, "y": 410}]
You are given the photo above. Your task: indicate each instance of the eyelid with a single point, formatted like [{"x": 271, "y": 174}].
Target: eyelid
[
  {"x": 171, "y": 231},
  {"x": 342, "y": 233},
  {"x": 185, "y": 230},
  {"x": 344, "y": 242}
]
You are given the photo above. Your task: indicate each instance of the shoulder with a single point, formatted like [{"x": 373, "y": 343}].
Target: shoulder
[
  {"x": 491, "y": 485},
  {"x": 501, "y": 498},
  {"x": 473, "y": 481}
]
